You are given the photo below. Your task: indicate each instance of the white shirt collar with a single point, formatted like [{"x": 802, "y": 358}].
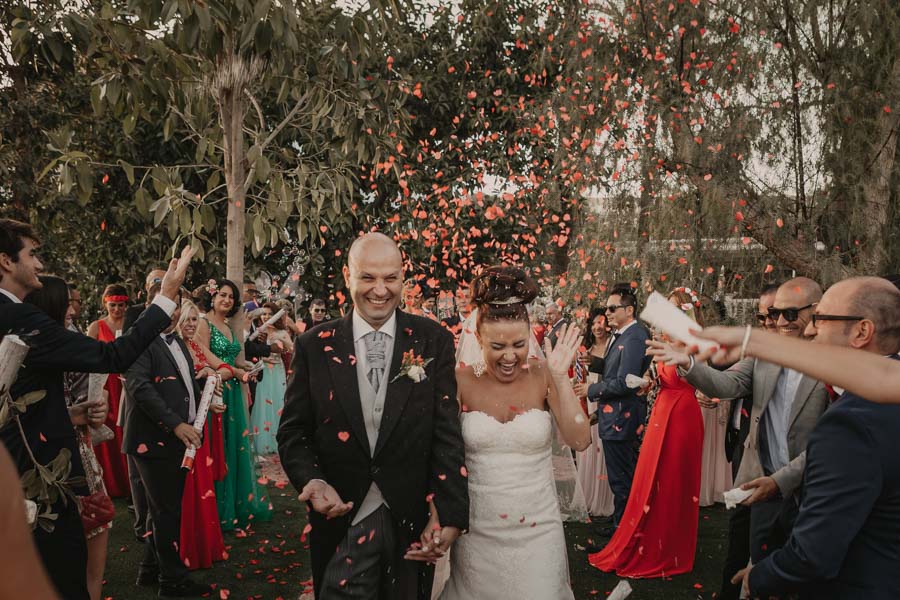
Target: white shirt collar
[
  {"x": 621, "y": 331},
  {"x": 10, "y": 295},
  {"x": 361, "y": 327}
]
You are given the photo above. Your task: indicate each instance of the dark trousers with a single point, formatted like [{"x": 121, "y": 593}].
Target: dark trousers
[
  {"x": 770, "y": 526},
  {"x": 738, "y": 553},
  {"x": 375, "y": 568},
  {"x": 64, "y": 553},
  {"x": 163, "y": 480},
  {"x": 621, "y": 459},
  {"x": 138, "y": 499}
]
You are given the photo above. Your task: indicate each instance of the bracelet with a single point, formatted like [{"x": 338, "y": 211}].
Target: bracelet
[
  {"x": 746, "y": 341},
  {"x": 227, "y": 367}
]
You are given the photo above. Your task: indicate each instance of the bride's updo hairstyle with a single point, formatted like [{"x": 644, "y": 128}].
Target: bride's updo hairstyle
[{"x": 503, "y": 294}]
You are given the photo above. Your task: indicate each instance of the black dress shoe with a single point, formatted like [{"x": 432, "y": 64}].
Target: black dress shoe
[
  {"x": 147, "y": 578},
  {"x": 184, "y": 589}
]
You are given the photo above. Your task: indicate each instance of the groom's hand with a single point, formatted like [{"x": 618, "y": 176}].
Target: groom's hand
[{"x": 324, "y": 499}]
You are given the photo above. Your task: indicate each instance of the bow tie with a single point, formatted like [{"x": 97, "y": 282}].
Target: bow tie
[{"x": 170, "y": 337}]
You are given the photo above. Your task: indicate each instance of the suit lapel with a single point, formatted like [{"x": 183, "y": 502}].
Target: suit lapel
[
  {"x": 164, "y": 348},
  {"x": 399, "y": 388},
  {"x": 343, "y": 377},
  {"x": 804, "y": 391}
]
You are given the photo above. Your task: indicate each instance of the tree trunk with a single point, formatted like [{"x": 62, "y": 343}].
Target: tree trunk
[
  {"x": 876, "y": 180},
  {"x": 231, "y": 112}
]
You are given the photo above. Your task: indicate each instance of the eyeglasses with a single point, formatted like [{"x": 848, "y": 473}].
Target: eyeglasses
[
  {"x": 318, "y": 310},
  {"x": 762, "y": 318},
  {"x": 816, "y": 318},
  {"x": 790, "y": 314},
  {"x": 615, "y": 307}
]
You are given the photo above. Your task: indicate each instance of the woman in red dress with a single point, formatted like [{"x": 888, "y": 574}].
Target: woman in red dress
[
  {"x": 109, "y": 453},
  {"x": 201, "y": 535},
  {"x": 657, "y": 536}
]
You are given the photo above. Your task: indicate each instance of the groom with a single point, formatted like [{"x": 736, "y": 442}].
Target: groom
[{"x": 369, "y": 443}]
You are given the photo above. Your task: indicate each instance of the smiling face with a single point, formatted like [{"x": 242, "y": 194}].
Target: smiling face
[
  {"x": 504, "y": 347},
  {"x": 599, "y": 327},
  {"x": 618, "y": 315},
  {"x": 189, "y": 325},
  {"x": 223, "y": 301},
  {"x": 20, "y": 276},
  {"x": 792, "y": 296},
  {"x": 374, "y": 276}
]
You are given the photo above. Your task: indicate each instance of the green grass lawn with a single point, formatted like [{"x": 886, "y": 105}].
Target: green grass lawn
[{"x": 271, "y": 562}]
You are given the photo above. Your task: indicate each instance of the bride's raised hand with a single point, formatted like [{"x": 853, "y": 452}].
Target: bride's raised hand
[{"x": 560, "y": 356}]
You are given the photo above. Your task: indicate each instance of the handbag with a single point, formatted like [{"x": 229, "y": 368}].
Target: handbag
[{"x": 97, "y": 510}]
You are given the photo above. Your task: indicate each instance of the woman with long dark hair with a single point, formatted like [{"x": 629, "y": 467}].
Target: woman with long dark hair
[
  {"x": 53, "y": 299},
  {"x": 239, "y": 496}
]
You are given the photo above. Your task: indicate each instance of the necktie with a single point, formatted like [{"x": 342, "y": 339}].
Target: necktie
[{"x": 374, "y": 341}]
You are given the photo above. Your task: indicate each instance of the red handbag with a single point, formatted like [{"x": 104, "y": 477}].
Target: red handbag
[{"x": 97, "y": 510}]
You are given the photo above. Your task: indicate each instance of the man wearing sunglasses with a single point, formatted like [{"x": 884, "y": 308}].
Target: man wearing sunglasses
[
  {"x": 318, "y": 313},
  {"x": 786, "y": 407},
  {"x": 846, "y": 539},
  {"x": 620, "y": 409}
]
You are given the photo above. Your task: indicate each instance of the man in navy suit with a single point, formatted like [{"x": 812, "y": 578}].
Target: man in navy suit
[
  {"x": 845, "y": 543},
  {"x": 621, "y": 411}
]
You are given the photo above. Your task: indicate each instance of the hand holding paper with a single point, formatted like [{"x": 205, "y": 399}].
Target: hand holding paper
[{"x": 668, "y": 318}]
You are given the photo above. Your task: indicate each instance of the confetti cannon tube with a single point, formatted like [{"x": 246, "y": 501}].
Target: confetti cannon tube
[
  {"x": 200, "y": 420},
  {"x": 272, "y": 320},
  {"x": 12, "y": 354}
]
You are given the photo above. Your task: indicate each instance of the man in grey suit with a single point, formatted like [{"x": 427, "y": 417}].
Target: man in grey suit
[{"x": 786, "y": 407}]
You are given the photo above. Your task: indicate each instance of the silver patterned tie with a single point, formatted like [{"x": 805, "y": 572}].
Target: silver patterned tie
[{"x": 375, "y": 358}]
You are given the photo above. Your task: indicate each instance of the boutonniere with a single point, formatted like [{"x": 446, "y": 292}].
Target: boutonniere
[{"x": 412, "y": 366}]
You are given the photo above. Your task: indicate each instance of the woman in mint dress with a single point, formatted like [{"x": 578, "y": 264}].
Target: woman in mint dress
[
  {"x": 239, "y": 497},
  {"x": 268, "y": 401}
]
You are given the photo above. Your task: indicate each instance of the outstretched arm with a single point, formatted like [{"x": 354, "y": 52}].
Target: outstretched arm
[{"x": 875, "y": 378}]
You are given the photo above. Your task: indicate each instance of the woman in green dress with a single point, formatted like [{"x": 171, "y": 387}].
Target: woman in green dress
[{"x": 239, "y": 497}]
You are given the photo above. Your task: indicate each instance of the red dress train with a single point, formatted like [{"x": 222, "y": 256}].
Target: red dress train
[
  {"x": 658, "y": 533},
  {"x": 109, "y": 453},
  {"x": 201, "y": 541}
]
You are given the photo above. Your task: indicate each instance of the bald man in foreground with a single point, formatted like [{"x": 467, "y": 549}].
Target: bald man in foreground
[
  {"x": 371, "y": 443},
  {"x": 846, "y": 539}
]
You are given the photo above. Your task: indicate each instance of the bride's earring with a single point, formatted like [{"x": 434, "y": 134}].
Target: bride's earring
[{"x": 478, "y": 368}]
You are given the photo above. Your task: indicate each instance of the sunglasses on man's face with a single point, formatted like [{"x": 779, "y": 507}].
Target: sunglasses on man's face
[
  {"x": 762, "y": 318},
  {"x": 816, "y": 318},
  {"x": 614, "y": 307},
  {"x": 790, "y": 314}
]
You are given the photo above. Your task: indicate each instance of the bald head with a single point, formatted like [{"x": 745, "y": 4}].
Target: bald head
[
  {"x": 874, "y": 299},
  {"x": 154, "y": 276},
  {"x": 793, "y": 305},
  {"x": 373, "y": 243}
]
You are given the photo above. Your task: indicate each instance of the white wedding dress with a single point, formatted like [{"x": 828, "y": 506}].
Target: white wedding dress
[{"x": 515, "y": 546}]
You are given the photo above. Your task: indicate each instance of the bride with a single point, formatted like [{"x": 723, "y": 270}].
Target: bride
[{"x": 515, "y": 547}]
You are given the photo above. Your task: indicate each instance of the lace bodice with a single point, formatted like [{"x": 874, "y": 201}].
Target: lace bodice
[{"x": 227, "y": 349}]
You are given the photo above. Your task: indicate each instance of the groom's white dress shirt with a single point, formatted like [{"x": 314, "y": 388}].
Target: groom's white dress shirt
[{"x": 372, "y": 401}]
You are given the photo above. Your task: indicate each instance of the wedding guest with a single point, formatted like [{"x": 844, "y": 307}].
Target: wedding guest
[
  {"x": 74, "y": 313},
  {"x": 555, "y": 321},
  {"x": 715, "y": 477},
  {"x": 200, "y": 542},
  {"x": 657, "y": 534},
  {"x": 786, "y": 407},
  {"x": 158, "y": 428},
  {"x": 109, "y": 453},
  {"x": 318, "y": 313},
  {"x": 590, "y": 463},
  {"x": 621, "y": 410},
  {"x": 53, "y": 349},
  {"x": 239, "y": 497},
  {"x": 250, "y": 296},
  {"x": 846, "y": 540},
  {"x": 134, "y": 311},
  {"x": 268, "y": 399},
  {"x": 95, "y": 506}
]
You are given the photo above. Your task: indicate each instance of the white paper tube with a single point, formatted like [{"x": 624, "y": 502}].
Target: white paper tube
[
  {"x": 272, "y": 320},
  {"x": 200, "y": 420},
  {"x": 96, "y": 381},
  {"x": 12, "y": 354},
  {"x": 669, "y": 319}
]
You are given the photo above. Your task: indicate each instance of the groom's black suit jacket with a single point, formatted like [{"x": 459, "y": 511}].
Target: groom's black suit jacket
[{"x": 419, "y": 451}]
